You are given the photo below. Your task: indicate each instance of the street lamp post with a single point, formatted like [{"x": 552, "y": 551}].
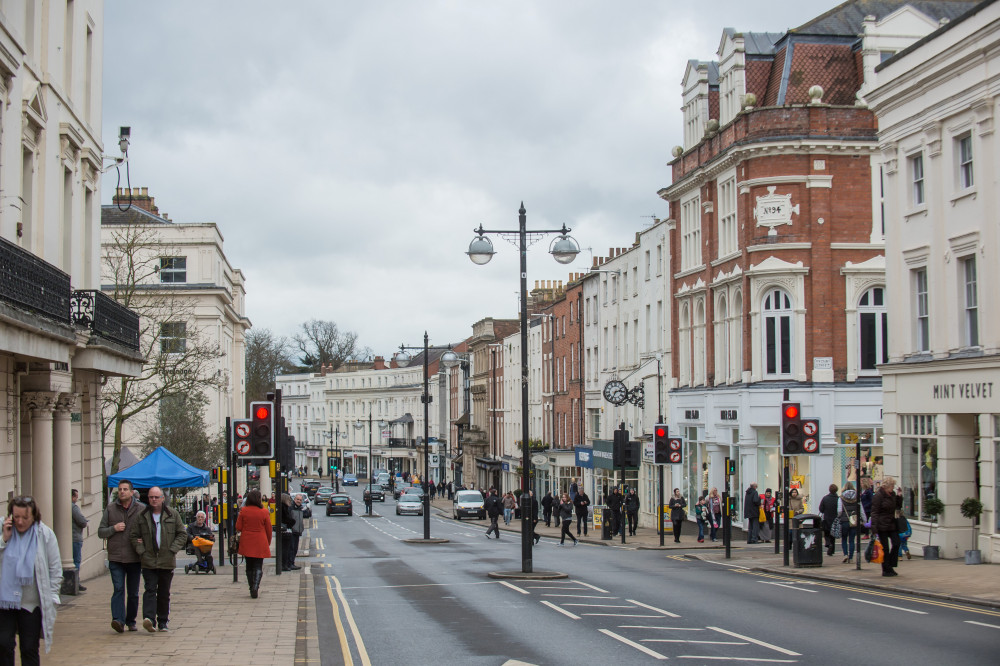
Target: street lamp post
[
  {"x": 564, "y": 249},
  {"x": 359, "y": 424},
  {"x": 449, "y": 359},
  {"x": 334, "y": 437}
]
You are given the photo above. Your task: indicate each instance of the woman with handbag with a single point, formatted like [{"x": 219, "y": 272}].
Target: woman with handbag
[
  {"x": 714, "y": 512},
  {"x": 767, "y": 515},
  {"x": 828, "y": 509},
  {"x": 851, "y": 515},
  {"x": 677, "y": 505},
  {"x": 253, "y": 529},
  {"x": 885, "y": 503}
]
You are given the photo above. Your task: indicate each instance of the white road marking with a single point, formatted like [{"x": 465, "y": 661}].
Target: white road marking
[
  {"x": 593, "y": 587},
  {"x": 618, "y": 615},
  {"x": 652, "y": 608},
  {"x": 875, "y": 603},
  {"x": 550, "y": 587},
  {"x": 637, "y": 646},
  {"x": 577, "y": 596},
  {"x": 756, "y": 642},
  {"x": 386, "y": 587},
  {"x": 734, "y": 566},
  {"x": 564, "y": 612},
  {"x": 769, "y": 661},
  {"x": 513, "y": 587},
  {"x": 983, "y": 624},
  {"x": 601, "y": 605},
  {"x": 682, "y": 640},
  {"x": 640, "y": 626},
  {"x": 790, "y": 587}
]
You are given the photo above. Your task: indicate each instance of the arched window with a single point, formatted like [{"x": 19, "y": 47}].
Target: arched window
[
  {"x": 777, "y": 333},
  {"x": 699, "y": 356},
  {"x": 685, "y": 345},
  {"x": 736, "y": 336},
  {"x": 873, "y": 321},
  {"x": 722, "y": 341}
]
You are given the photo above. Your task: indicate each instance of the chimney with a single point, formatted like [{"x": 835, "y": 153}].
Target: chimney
[
  {"x": 139, "y": 197},
  {"x": 379, "y": 363}
]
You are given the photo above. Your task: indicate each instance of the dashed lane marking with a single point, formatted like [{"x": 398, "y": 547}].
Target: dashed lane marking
[
  {"x": 756, "y": 642},
  {"x": 754, "y": 659},
  {"x": 578, "y": 596},
  {"x": 983, "y": 624},
  {"x": 564, "y": 612},
  {"x": 593, "y": 587},
  {"x": 790, "y": 587},
  {"x": 637, "y": 646},
  {"x": 899, "y": 608},
  {"x": 513, "y": 587},
  {"x": 640, "y": 626},
  {"x": 652, "y": 608}
]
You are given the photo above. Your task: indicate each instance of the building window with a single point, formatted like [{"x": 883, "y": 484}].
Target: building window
[
  {"x": 917, "y": 178},
  {"x": 727, "y": 218},
  {"x": 625, "y": 283},
  {"x": 736, "y": 336},
  {"x": 918, "y": 460},
  {"x": 648, "y": 265},
  {"x": 659, "y": 260},
  {"x": 777, "y": 333},
  {"x": 873, "y": 343},
  {"x": 635, "y": 280},
  {"x": 698, "y": 355},
  {"x": 920, "y": 307},
  {"x": 594, "y": 420},
  {"x": 173, "y": 337},
  {"x": 691, "y": 234},
  {"x": 173, "y": 270},
  {"x": 885, "y": 55},
  {"x": 722, "y": 356},
  {"x": 684, "y": 335},
  {"x": 965, "y": 179},
  {"x": 970, "y": 302}
]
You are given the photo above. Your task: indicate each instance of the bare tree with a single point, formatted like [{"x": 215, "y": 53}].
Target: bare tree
[
  {"x": 179, "y": 360},
  {"x": 181, "y": 429},
  {"x": 267, "y": 356},
  {"x": 323, "y": 343}
]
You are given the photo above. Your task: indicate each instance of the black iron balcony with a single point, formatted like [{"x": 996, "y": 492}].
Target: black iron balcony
[
  {"x": 105, "y": 317},
  {"x": 32, "y": 284}
]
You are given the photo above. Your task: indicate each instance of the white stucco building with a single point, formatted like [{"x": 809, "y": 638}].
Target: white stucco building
[{"x": 937, "y": 105}]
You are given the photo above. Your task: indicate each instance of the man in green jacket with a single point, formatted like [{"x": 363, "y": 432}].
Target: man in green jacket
[{"x": 157, "y": 536}]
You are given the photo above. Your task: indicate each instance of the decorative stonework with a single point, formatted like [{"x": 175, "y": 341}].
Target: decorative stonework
[
  {"x": 39, "y": 401},
  {"x": 67, "y": 402},
  {"x": 773, "y": 210}
]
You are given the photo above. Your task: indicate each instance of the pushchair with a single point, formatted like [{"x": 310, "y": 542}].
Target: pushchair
[{"x": 201, "y": 547}]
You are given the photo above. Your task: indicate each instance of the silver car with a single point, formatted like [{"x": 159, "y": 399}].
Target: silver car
[{"x": 410, "y": 503}]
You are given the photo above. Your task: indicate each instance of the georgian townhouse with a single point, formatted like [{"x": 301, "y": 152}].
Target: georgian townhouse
[
  {"x": 777, "y": 245},
  {"x": 481, "y": 448},
  {"x": 937, "y": 107},
  {"x": 61, "y": 337}
]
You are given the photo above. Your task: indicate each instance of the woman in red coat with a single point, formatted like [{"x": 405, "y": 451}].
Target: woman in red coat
[{"x": 254, "y": 529}]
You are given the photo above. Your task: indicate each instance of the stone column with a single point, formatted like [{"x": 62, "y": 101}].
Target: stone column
[
  {"x": 41, "y": 405},
  {"x": 62, "y": 510}
]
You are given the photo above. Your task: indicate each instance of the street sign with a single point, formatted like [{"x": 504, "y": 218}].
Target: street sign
[
  {"x": 675, "y": 446},
  {"x": 242, "y": 430},
  {"x": 809, "y": 427},
  {"x": 810, "y": 445},
  {"x": 242, "y": 447},
  {"x": 539, "y": 459},
  {"x": 810, "y": 441},
  {"x": 241, "y": 437}
]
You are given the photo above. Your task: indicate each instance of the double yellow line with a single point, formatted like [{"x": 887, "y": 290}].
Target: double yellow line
[{"x": 344, "y": 645}]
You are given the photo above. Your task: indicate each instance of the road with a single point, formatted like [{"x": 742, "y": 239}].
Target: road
[{"x": 380, "y": 600}]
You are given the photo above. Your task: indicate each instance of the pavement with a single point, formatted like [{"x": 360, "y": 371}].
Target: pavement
[{"x": 210, "y": 615}]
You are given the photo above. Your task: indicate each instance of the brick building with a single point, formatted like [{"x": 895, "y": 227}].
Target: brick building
[{"x": 777, "y": 245}]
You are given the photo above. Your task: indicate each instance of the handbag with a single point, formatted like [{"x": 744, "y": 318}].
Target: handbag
[
  {"x": 878, "y": 555},
  {"x": 870, "y": 550},
  {"x": 903, "y": 527},
  {"x": 852, "y": 520},
  {"x": 835, "y": 531},
  {"x": 762, "y": 517},
  {"x": 234, "y": 545}
]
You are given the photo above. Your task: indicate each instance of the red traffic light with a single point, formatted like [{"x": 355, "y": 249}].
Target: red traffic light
[
  {"x": 262, "y": 412},
  {"x": 791, "y": 411},
  {"x": 661, "y": 432}
]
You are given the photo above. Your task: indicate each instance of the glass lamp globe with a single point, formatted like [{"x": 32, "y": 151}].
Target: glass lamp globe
[
  {"x": 481, "y": 250},
  {"x": 402, "y": 359},
  {"x": 449, "y": 359},
  {"x": 564, "y": 249}
]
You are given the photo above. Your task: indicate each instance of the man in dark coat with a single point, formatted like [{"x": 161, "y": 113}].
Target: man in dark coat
[
  {"x": 632, "y": 511},
  {"x": 885, "y": 503},
  {"x": 581, "y": 502},
  {"x": 494, "y": 507},
  {"x": 615, "y": 506},
  {"x": 157, "y": 536},
  {"x": 751, "y": 511},
  {"x": 547, "y": 508},
  {"x": 828, "y": 509},
  {"x": 123, "y": 561},
  {"x": 531, "y": 506}
]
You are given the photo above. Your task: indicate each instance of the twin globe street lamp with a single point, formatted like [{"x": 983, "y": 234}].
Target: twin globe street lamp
[
  {"x": 449, "y": 359},
  {"x": 563, "y": 249},
  {"x": 359, "y": 424}
]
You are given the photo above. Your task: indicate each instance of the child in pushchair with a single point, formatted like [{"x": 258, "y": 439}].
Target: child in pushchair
[{"x": 201, "y": 539}]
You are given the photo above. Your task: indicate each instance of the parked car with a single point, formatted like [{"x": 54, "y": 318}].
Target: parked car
[
  {"x": 350, "y": 480},
  {"x": 377, "y": 494},
  {"x": 400, "y": 489},
  {"x": 468, "y": 504},
  {"x": 410, "y": 503},
  {"x": 339, "y": 503},
  {"x": 322, "y": 495},
  {"x": 309, "y": 486},
  {"x": 382, "y": 481}
]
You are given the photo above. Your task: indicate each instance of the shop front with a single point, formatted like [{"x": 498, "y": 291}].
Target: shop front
[{"x": 606, "y": 476}]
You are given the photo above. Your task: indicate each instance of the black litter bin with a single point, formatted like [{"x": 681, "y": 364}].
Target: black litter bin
[
  {"x": 807, "y": 540},
  {"x": 605, "y": 523}
]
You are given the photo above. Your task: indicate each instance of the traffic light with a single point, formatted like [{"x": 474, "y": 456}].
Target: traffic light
[
  {"x": 791, "y": 429},
  {"x": 618, "y": 448},
  {"x": 262, "y": 429},
  {"x": 632, "y": 455},
  {"x": 215, "y": 475},
  {"x": 661, "y": 445},
  {"x": 730, "y": 467}
]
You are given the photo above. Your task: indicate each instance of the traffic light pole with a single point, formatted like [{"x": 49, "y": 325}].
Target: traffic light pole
[
  {"x": 659, "y": 510},
  {"x": 785, "y": 493},
  {"x": 622, "y": 512},
  {"x": 727, "y": 519}
]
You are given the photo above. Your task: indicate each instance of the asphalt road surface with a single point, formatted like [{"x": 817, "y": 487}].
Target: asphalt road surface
[{"x": 380, "y": 600}]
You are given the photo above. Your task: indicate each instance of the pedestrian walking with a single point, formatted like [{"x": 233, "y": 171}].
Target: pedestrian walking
[
  {"x": 632, "y": 511},
  {"x": 509, "y": 504},
  {"x": 253, "y": 529},
  {"x": 867, "y": 493},
  {"x": 795, "y": 503},
  {"x": 566, "y": 519},
  {"x": 701, "y": 517},
  {"x": 767, "y": 506},
  {"x": 494, "y": 507},
  {"x": 614, "y": 502},
  {"x": 123, "y": 562},
  {"x": 299, "y": 513},
  {"x": 30, "y": 578},
  {"x": 432, "y": 487},
  {"x": 547, "y": 508},
  {"x": 530, "y": 506},
  {"x": 885, "y": 504},
  {"x": 157, "y": 535},
  {"x": 582, "y": 505},
  {"x": 574, "y": 488},
  {"x": 451, "y": 490},
  {"x": 714, "y": 512},
  {"x": 851, "y": 515},
  {"x": 79, "y": 523},
  {"x": 678, "y": 515},
  {"x": 828, "y": 509},
  {"x": 751, "y": 511}
]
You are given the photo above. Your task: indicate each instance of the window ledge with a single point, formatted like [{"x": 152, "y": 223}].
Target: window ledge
[
  {"x": 689, "y": 271},
  {"x": 914, "y": 212},
  {"x": 964, "y": 194},
  {"x": 727, "y": 257}
]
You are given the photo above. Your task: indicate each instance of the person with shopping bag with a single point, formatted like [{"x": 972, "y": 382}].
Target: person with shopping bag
[{"x": 885, "y": 503}]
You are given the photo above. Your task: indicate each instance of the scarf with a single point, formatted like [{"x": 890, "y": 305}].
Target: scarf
[{"x": 19, "y": 566}]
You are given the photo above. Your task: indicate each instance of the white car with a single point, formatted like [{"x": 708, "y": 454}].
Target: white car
[{"x": 469, "y": 503}]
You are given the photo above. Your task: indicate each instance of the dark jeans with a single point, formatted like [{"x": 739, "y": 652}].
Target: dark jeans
[
  {"x": 890, "y": 546},
  {"x": 26, "y": 626},
  {"x": 616, "y": 522},
  {"x": 581, "y": 519},
  {"x": 156, "y": 596},
  {"x": 677, "y": 529},
  {"x": 547, "y": 516},
  {"x": 493, "y": 526},
  {"x": 633, "y": 521},
  {"x": 125, "y": 578},
  {"x": 290, "y": 548},
  {"x": 831, "y": 542},
  {"x": 77, "y": 554},
  {"x": 716, "y": 524},
  {"x": 753, "y": 535},
  {"x": 566, "y": 524},
  {"x": 848, "y": 539}
]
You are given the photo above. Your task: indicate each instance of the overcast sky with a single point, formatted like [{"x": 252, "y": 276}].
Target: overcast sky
[{"x": 346, "y": 150}]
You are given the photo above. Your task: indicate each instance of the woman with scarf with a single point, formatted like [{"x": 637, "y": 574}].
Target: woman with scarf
[{"x": 30, "y": 578}]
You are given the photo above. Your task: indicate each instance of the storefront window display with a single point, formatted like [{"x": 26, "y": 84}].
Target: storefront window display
[
  {"x": 605, "y": 479},
  {"x": 918, "y": 454},
  {"x": 695, "y": 468},
  {"x": 566, "y": 477},
  {"x": 844, "y": 467},
  {"x": 770, "y": 466}
]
